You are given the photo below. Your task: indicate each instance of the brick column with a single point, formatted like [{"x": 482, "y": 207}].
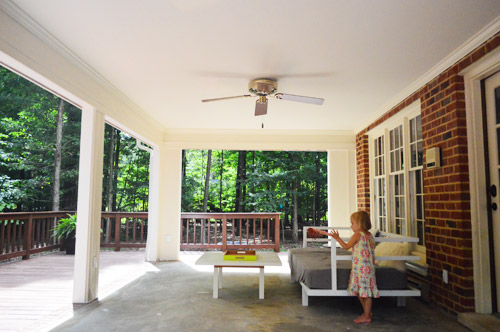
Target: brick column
[{"x": 363, "y": 172}]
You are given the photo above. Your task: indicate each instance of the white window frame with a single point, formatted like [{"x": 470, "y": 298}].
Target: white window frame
[{"x": 402, "y": 118}]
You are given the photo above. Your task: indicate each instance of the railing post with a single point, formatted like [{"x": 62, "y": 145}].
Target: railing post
[
  {"x": 117, "y": 232},
  {"x": 277, "y": 233},
  {"x": 224, "y": 233},
  {"x": 27, "y": 237}
]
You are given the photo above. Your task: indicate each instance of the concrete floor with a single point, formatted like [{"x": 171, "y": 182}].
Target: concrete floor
[{"x": 178, "y": 297}]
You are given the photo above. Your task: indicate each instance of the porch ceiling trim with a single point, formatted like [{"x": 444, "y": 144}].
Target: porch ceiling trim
[
  {"x": 232, "y": 139},
  {"x": 472, "y": 43},
  {"x": 111, "y": 101}
]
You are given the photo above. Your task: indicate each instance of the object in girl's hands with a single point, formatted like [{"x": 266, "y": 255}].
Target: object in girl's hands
[{"x": 313, "y": 233}]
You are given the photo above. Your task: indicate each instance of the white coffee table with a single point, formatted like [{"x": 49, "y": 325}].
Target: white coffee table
[{"x": 217, "y": 260}]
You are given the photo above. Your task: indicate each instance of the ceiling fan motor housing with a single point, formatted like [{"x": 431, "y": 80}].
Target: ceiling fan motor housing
[{"x": 263, "y": 86}]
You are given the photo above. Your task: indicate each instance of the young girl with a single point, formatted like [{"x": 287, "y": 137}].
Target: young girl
[{"x": 362, "y": 280}]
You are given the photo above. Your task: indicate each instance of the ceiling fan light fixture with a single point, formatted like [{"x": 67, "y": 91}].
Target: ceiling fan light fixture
[{"x": 263, "y": 86}]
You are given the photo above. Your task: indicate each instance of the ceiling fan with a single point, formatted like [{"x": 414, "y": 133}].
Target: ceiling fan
[{"x": 267, "y": 87}]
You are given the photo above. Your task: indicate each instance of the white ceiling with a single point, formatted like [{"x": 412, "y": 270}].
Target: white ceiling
[{"x": 168, "y": 55}]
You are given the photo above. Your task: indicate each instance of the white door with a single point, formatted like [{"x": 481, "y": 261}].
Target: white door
[{"x": 493, "y": 123}]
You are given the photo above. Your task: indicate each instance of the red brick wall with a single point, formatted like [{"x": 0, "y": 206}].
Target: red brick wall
[
  {"x": 362, "y": 173},
  {"x": 447, "y": 196}
]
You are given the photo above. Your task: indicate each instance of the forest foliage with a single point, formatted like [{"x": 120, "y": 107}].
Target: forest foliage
[{"x": 290, "y": 182}]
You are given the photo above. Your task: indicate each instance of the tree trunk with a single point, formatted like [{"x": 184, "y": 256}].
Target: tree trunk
[
  {"x": 207, "y": 180},
  {"x": 110, "y": 182},
  {"x": 183, "y": 164},
  {"x": 116, "y": 167},
  {"x": 240, "y": 182},
  {"x": 295, "y": 226},
  {"x": 221, "y": 176},
  {"x": 295, "y": 221},
  {"x": 57, "y": 158},
  {"x": 317, "y": 202},
  {"x": 56, "y": 189}
]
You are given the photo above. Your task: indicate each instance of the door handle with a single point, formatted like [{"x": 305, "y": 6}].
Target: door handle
[
  {"x": 493, "y": 190},
  {"x": 494, "y": 206}
]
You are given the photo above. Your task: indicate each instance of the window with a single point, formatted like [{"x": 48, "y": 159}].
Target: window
[
  {"x": 379, "y": 185},
  {"x": 416, "y": 180},
  {"x": 398, "y": 195}
]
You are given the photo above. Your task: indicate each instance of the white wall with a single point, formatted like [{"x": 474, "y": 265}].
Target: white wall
[{"x": 341, "y": 187}]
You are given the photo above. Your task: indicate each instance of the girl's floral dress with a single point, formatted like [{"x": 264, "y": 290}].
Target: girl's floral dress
[{"x": 362, "y": 281}]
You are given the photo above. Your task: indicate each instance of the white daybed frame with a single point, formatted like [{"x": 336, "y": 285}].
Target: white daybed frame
[{"x": 387, "y": 237}]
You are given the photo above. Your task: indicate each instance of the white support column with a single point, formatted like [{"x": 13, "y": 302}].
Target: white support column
[
  {"x": 88, "y": 227},
  {"x": 169, "y": 203},
  {"x": 341, "y": 187},
  {"x": 153, "y": 204}
]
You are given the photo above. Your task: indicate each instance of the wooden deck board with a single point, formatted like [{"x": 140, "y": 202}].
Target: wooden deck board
[{"x": 36, "y": 294}]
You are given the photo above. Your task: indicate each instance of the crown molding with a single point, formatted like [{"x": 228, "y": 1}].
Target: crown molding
[
  {"x": 256, "y": 139},
  {"x": 470, "y": 45},
  {"x": 21, "y": 17}
]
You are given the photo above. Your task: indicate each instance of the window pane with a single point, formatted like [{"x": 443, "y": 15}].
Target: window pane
[
  {"x": 403, "y": 228},
  {"x": 412, "y": 130},
  {"x": 419, "y": 127},
  {"x": 420, "y": 159},
  {"x": 413, "y": 154},
  {"x": 391, "y": 139},
  {"x": 401, "y": 156},
  {"x": 396, "y": 185},
  {"x": 400, "y": 133},
  {"x": 401, "y": 185},
  {"x": 419, "y": 207},
  {"x": 397, "y": 162},
  {"x": 418, "y": 181},
  {"x": 420, "y": 232},
  {"x": 393, "y": 164},
  {"x": 398, "y": 226}
]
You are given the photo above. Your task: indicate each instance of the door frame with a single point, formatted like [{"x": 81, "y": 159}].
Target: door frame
[{"x": 473, "y": 76}]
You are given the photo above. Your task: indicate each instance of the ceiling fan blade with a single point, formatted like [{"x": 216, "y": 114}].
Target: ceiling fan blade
[
  {"x": 302, "y": 99},
  {"x": 224, "y": 98},
  {"x": 261, "y": 106}
]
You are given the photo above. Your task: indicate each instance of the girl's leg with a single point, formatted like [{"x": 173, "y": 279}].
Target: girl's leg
[
  {"x": 368, "y": 307},
  {"x": 362, "y": 300},
  {"x": 366, "y": 317}
]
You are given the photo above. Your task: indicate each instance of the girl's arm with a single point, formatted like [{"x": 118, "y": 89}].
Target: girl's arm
[{"x": 354, "y": 239}]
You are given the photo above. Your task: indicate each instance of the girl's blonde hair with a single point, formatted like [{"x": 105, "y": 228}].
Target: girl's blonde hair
[{"x": 362, "y": 219}]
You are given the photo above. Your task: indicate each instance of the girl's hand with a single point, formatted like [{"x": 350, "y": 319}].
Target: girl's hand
[{"x": 335, "y": 234}]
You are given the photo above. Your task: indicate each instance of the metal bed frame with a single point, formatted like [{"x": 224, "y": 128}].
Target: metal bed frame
[{"x": 384, "y": 237}]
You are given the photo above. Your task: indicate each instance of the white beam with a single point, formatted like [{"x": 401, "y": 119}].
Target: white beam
[
  {"x": 341, "y": 187},
  {"x": 88, "y": 227},
  {"x": 169, "y": 203},
  {"x": 155, "y": 174}
]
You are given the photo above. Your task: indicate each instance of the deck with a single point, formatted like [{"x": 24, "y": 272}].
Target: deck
[{"x": 36, "y": 294}]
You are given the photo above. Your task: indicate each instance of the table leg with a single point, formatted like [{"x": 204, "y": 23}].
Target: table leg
[
  {"x": 216, "y": 283},
  {"x": 220, "y": 277},
  {"x": 261, "y": 283}
]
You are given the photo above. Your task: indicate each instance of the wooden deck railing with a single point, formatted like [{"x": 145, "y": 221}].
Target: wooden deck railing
[
  {"x": 132, "y": 230},
  {"x": 230, "y": 231},
  {"x": 23, "y": 234}
]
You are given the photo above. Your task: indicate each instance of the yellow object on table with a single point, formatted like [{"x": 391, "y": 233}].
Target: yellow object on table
[{"x": 240, "y": 255}]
